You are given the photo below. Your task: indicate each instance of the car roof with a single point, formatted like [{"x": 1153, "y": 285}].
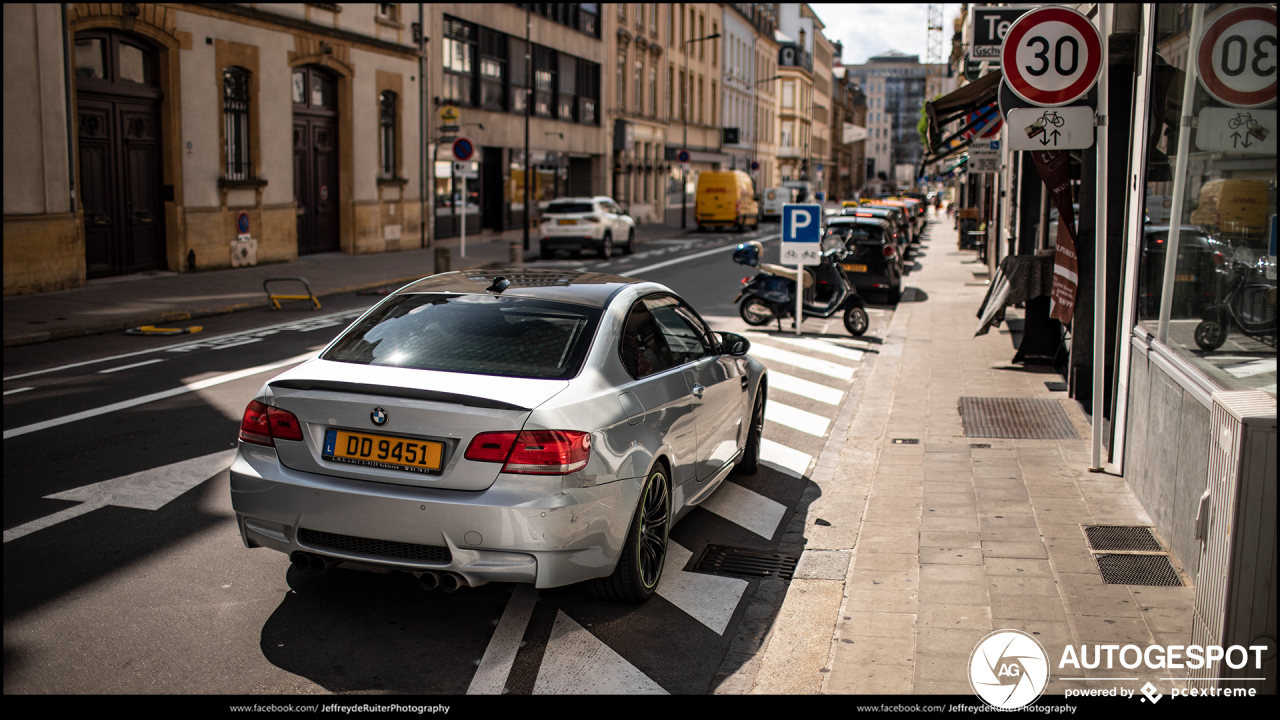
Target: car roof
[
  {"x": 583, "y": 288},
  {"x": 580, "y": 200},
  {"x": 855, "y": 220}
]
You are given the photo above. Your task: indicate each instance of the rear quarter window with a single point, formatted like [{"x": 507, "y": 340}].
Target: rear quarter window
[
  {"x": 569, "y": 208},
  {"x": 859, "y": 234}
]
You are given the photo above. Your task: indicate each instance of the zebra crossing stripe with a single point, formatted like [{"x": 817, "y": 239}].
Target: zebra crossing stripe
[
  {"x": 746, "y": 508},
  {"x": 783, "y": 458},
  {"x": 821, "y": 346},
  {"x": 709, "y": 599},
  {"x": 822, "y": 367},
  {"x": 578, "y": 663},
  {"x": 805, "y": 422},
  {"x": 812, "y": 390}
]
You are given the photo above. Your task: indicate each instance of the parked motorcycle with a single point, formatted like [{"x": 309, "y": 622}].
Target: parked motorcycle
[
  {"x": 770, "y": 295},
  {"x": 1248, "y": 306}
]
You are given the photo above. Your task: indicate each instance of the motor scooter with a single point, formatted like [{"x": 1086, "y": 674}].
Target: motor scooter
[
  {"x": 770, "y": 295},
  {"x": 1248, "y": 305}
]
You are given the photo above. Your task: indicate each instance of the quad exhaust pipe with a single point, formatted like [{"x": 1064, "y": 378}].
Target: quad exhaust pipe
[
  {"x": 446, "y": 581},
  {"x": 315, "y": 564},
  {"x": 429, "y": 580}
]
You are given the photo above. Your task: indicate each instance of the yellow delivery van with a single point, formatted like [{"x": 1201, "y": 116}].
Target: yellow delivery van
[{"x": 726, "y": 198}]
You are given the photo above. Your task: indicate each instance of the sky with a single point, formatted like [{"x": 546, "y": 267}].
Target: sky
[{"x": 868, "y": 29}]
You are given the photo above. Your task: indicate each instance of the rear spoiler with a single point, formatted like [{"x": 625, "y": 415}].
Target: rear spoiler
[{"x": 396, "y": 392}]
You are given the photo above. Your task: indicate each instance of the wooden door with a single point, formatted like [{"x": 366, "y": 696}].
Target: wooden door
[{"x": 315, "y": 160}]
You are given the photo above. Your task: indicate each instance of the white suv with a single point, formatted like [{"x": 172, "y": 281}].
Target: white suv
[{"x": 576, "y": 223}]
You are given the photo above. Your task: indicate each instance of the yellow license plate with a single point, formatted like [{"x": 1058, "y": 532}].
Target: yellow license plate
[
  {"x": 853, "y": 268},
  {"x": 1184, "y": 277},
  {"x": 382, "y": 451},
  {"x": 568, "y": 222}
]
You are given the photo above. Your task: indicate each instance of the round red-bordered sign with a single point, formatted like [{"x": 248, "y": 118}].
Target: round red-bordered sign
[
  {"x": 463, "y": 149},
  {"x": 1237, "y": 36},
  {"x": 1033, "y": 61}
]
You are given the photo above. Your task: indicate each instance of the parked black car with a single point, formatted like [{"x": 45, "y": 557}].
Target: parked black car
[
  {"x": 891, "y": 215},
  {"x": 875, "y": 262}
]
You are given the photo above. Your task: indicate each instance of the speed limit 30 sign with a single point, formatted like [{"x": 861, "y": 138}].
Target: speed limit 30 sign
[
  {"x": 1237, "y": 57},
  {"x": 1051, "y": 56}
]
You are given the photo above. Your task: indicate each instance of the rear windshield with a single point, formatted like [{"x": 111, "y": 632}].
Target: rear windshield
[
  {"x": 480, "y": 334},
  {"x": 565, "y": 208},
  {"x": 859, "y": 234}
]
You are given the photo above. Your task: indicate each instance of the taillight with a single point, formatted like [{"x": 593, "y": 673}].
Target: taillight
[
  {"x": 888, "y": 251},
  {"x": 262, "y": 423},
  {"x": 533, "y": 452},
  {"x": 1219, "y": 258},
  {"x": 746, "y": 280}
]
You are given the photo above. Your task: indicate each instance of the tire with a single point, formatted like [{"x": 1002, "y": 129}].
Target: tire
[
  {"x": 1210, "y": 334},
  {"x": 606, "y": 247},
  {"x": 630, "y": 247},
  {"x": 856, "y": 320},
  {"x": 755, "y": 312},
  {"x": 546, "y": 252},
  {"x": 635, "y": 578},
  {"x": 750, "y": 462}
]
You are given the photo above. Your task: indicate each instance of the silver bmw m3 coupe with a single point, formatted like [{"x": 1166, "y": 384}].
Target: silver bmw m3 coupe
[{"x": 531, "y": 426}]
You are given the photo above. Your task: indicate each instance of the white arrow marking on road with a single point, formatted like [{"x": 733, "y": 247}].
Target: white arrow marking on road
[
  {"x": 146, "y": 490},
  {"x": 781, "y": 457},
  {"x": 822, "y": 367},
  {"x": 802, "y": 420},
  {"x": 500, "y": 655},
  {"x": 125, "y": 404},
  {"x": 746, "y": 508},
  {"x": 578, "y": 663},
  {"x": 804, "y": 388},
  {"x": 710, "y": 599}
]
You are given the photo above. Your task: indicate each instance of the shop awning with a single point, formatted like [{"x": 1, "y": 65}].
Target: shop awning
[
  {"x": 957, "y": 165},
  {"x": 976, "y": 97}
]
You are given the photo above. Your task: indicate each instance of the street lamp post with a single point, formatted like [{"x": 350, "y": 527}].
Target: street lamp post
[{"x": 684, "y": 170}]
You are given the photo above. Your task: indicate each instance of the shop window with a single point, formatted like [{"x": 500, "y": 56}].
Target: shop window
[
  {"x": 235, "y": 114},
  {"x": 1221, "y": 311}
]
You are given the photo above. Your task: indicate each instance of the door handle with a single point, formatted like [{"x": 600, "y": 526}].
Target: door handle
[
  {"x": 100, "y": 220},
  {"x": 698, "y": 390}
]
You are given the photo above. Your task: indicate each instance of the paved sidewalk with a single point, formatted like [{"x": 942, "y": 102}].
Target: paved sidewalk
[
  {"x": 913, "y": 553},
  {"x": 114, "y": 304}
]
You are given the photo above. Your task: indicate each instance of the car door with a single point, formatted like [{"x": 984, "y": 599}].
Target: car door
[
  {"x": 662, "y": 389},
  {"x": 715, "y": 381}
]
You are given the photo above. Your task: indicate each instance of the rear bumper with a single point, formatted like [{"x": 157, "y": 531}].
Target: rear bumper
[{"x": 525, "y": 529}]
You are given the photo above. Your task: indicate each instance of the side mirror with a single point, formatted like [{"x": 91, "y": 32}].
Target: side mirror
[{"x": 734, "y": 344}]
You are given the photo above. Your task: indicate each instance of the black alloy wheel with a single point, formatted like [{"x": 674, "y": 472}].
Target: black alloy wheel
[
  {"x": 750, "y": 461},
  {"x": 755, "y": 311},
  {"x": 635, "y": 578},
  {"x": 606, "y": 246},
  {"x": 631, "y": 242}
]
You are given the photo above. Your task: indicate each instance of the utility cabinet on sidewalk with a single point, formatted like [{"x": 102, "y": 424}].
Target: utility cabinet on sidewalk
[{"x": 1236, "y": 586}]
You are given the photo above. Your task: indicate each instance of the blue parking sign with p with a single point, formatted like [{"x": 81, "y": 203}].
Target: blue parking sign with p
[{"x": 801, "y": 234}]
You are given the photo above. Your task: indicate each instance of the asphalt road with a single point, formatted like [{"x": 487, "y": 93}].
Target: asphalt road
[{"x": 124, "y": 571}]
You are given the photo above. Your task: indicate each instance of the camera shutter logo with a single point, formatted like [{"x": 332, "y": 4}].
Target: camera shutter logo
[{"x": 1008, "y": 669}]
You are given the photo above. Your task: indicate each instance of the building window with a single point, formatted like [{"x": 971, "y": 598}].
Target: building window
[
  {"x": 622, "y": 77},
  {"x": 588, "y": 18},
  {"x": 389, "y": 12},
  {"x": 387, "y": 126},
  {"x": 493, "y": 70},
  {"x": 684, "y": 98},
  {"x": 588, "y": 92},
  {"x": 544, "y": 81},
  {"x": 713, "y": 102},
  {"x": 700, "y": 101},
  {"x": 622, "y": 12},
  {"x": 715, "y": 44},
  {"x": 653, "y": 88},
  {"x": 568, "y": 109},
  {"x": 458, "y": 61},
  {"x": 639, "y": 83},
  {"x": 671, "y": 27},
  {"x": 235, "y": 109},
  {"x": 640, "y": 8},
  {"x": 788, "y": 133},
  {"x": 519, "y": 76},
  {"x": 653, "y": 21},
  {"x": 702, "y": 32},
  {"x": 788, "y": 94}
]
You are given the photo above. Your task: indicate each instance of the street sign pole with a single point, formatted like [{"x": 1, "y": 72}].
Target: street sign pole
[{"x": 801, "y": 236}]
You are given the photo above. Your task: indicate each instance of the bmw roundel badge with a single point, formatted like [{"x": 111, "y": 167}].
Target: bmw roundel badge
[{"x": 378, "y": 416}]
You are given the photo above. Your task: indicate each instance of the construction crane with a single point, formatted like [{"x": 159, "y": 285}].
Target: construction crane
[{"x": 933, "y": 50}]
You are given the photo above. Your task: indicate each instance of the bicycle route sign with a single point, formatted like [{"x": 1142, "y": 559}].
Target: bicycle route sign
[
  {"x": 801, "y": 234},
  {"x": 1061, "y": 128},
  {"x": 1051, "y": 56},
  {"x": 1237, "y": 56}
]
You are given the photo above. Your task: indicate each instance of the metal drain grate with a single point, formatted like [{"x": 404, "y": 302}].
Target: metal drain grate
[
  {"x": 368, "y": 546},
  {"x": 1121, "y": 537},
  {"x": 1020, "y": 418},
  {"x": 743, "y": 562},
  {"x": 1137, "y": 570},
  {"x": 906, "y": 441}
]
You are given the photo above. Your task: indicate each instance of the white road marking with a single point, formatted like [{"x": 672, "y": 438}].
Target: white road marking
[
  {"x": 804, "y": 362},
  {"x": 783, "y": 458},
  {"x": 802, "y": 420},
  {"x": 125, "y": 404},
  {"x": 218, "y": 341},
  {"x": 578, "y": 663},
  {"x": 15, "y": 391},
  {"x": 747, "y": 508},
  {"x": 146, "y": 490},
  {"x": 500, "y": 655},
  {"x": 822, "y": 346},
  {"x": 804, "y": 388},
  {"x": 679, "y": 260},
  {"x": 710, "y": 599},
  {"x": 127, "y": 367},
  {"x": 1257, "y": 367}
]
